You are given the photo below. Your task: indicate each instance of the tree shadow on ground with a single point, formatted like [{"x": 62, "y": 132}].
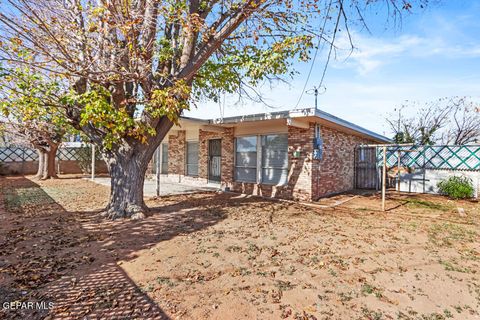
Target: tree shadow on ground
[{"x": 71, "y": 258}]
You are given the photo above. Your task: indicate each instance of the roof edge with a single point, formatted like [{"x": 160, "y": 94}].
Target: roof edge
[
  {"x": 352, "y": 126},
  {"x": 298, "y": 113},
  {"x": 265, "y": 116},
  {"x": 190, "y": 119}
]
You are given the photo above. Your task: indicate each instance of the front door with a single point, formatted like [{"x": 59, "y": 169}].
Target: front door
[{"x": 214, "y": 160}]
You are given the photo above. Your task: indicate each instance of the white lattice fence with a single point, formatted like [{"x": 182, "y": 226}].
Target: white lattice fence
[
  {"x": 442, "y": 157},
  {"x": 19, "y": 154}
]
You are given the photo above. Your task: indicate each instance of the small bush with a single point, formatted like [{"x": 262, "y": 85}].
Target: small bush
[{"x": 457, "y": 187}]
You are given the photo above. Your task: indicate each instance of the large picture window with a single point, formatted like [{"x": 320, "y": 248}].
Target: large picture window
[
  {"x": 275, "y": 159},
  {"x": 192, "y": 158},
  {"x": 246, "y": 159},
  {"x": 272, "y": 158}
]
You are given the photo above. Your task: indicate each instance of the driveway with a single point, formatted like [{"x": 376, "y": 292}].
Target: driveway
[{"x": 166, "y": 188}]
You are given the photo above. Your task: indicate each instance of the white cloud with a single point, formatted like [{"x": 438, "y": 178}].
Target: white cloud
[{"x": 371, "y": 53}]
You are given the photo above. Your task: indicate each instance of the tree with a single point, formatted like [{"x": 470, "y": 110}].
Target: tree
[
  {"x": 31, "y": 115},
  {"x": 423, "y": 127},
  {"x": 446, "y": 120},
  {"x": 465, "y": 122},
  {"x": 3, "y": 138},
  {"x": 403, "y": 137},
  {"x": 133, "y": 66}
]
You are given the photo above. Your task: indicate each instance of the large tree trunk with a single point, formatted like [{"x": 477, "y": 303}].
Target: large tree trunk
[
  {"x": 127, "y": 173},
  {"x": 41, "y": 163},
  {"x": 50, "y": 171},
  {"x": 127, "y": 166}
]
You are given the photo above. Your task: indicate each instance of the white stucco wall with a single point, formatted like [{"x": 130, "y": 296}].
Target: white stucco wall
[{"x": 425, "y": 181}]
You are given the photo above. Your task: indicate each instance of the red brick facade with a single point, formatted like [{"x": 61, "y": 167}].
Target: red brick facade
[
  {"x": 176, "y": 153},
  {"x": 308, "y": 179},
  {"x": 335, "y": 172},
  {"x": 299, "y": 183},
  {"x": 300, "y": 175}
]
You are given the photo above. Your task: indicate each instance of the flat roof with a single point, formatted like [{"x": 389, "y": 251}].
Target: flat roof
[{"x": 300, "y": 113}]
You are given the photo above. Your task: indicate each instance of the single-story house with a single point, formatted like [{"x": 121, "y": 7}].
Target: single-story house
[{"x": 300, "y": 154}]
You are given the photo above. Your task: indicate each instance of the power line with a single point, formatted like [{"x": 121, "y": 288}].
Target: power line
[
  {"x": 316, "y": 53},
  {"x": 331, "y": 46}
]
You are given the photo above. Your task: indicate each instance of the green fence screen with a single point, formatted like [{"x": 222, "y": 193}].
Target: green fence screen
[{"x": 444, "y": 157}]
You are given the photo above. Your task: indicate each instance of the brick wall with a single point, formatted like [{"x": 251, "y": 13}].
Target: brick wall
[
  {"x": 299, "y": 184},
  {"x": 335, "y": 172},
  {"x": 300, "y": 175},
  {"x": 308, "y": 179},
  {"x": 176, "y": 153}
]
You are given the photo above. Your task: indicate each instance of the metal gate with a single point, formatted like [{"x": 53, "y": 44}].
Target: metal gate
[
  {"x": 366, "y": 170},
  {"x": 214, "y": 160}
]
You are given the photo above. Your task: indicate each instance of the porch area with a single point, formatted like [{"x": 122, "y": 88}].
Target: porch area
[{"x": 167, "y": 186}]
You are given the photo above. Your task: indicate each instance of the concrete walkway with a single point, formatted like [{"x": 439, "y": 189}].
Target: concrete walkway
[{"x": 166, "y": 188}]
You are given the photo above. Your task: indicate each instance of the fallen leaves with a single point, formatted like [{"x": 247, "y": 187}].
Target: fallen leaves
[{"x": 207, "y": 253}]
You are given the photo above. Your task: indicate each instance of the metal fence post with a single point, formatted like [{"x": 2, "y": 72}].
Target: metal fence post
[
  {"x": 157, "y": 170},
  {"x": 93, "y": 162},
  {"x": 23, "y": 160}
]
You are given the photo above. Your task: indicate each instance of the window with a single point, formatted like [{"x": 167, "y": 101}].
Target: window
[
  {"x": 275, "y": 159},
  {"x": 192, "y": 158},
  {"x": 164, "y": 168},
  {"x": 246, "y": 159}
]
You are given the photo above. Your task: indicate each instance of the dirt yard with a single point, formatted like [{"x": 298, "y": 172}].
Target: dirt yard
[{"x": 224, "y": 256}]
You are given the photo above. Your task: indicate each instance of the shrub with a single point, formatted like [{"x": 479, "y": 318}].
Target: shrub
[{"x": 457, "y": 187}]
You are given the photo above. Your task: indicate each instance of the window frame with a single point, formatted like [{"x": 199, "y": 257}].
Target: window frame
[
  {"x": 263, "y": 167},
  {"x": 235, "y": 166},
  {"x": 259, "y": 159},
  {"x": 187, "y": 164}
]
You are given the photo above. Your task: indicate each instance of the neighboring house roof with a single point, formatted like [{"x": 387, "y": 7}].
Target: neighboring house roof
[{"x": 297, "y": 113}]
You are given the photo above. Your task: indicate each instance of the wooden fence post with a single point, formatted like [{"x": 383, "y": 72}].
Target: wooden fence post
[
  {"x": 398, "y": 171},
  {"x": 384, "y": 177}
]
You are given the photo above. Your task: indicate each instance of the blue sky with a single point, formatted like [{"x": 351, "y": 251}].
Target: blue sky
[{"x": 434, "y": 53}]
